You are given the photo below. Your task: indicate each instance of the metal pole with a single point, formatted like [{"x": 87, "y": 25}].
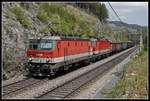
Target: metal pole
[{"x": 141, "y": 42}]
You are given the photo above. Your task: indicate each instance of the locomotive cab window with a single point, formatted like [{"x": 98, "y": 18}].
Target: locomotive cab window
[
  {"x": 35, "y": 46},
  {"x": 45, "y": 46},
  {"x": 41, "y": 44}
]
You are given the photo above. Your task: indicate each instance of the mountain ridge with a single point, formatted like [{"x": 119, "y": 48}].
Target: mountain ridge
[{"x": 133, "y": 26}]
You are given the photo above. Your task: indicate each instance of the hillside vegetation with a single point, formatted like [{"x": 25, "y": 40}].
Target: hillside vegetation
[
  {"x": 23, "y": 20},
  {"x": 132, "y": 32},
  {"x": 134, "y": 83},
  {"x": 97, "y": 9}
]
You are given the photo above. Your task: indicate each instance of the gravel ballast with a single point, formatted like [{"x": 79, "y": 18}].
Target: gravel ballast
[
  {"x": 50, "y": 84},
  {"x": 98, "y": 88},
  {"x": 14, "y": 79}
]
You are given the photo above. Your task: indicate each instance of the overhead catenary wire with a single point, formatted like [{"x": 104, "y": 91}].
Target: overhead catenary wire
[
  {"x": 113, "y": 16},
  {"x": 114, "y": 12}
]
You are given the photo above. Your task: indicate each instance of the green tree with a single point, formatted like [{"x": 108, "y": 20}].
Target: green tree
[
  {"x": 144, "y": 33},
  {"x": 98, "y": 9}
]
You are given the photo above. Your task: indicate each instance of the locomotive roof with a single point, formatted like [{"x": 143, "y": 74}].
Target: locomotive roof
[
  {"x": 51, "y": 37},
  {"x": 59, "y": 38},
  {"x": 69, "y": 39}
]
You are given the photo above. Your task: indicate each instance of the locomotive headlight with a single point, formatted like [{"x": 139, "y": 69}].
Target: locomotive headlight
[{"x": 30, "y": 59}]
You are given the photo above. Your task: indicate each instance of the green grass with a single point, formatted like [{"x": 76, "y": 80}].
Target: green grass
[
  {"x": 21, "y": 16},
  {"x": 9, "y": 14},
  {"x": 69, "y": 22},
  {"x": 135, "y": 85}
]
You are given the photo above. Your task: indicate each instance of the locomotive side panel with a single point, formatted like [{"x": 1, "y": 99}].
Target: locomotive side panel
[{"x": 70, "y": 49}]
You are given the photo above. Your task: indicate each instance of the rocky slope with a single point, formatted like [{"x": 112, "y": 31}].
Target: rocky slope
[{"x": 20, "y": 22}]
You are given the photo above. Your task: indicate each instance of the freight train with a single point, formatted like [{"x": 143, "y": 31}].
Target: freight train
[{"x": 48, "y": 55}]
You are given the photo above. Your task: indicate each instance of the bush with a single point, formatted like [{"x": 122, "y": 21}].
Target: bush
[
  {"x": 43, "y": 16},
  {"x": 21, "y": 16},
  {"x": 45, "y": 30},
  {"x": 52, "y": 12},
  {"x": 9, "y": 14}
]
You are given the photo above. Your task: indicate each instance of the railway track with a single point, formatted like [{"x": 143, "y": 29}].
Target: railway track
[
  {"x": 17, "y": 87},
  {"x": 63, "y": 91},
  {"x": 15, "y": 82}
]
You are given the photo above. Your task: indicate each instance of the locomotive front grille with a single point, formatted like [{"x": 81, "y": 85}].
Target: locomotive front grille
[{"x": 39, "y": 69}]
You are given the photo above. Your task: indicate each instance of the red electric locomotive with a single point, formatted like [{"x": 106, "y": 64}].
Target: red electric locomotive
[{"x": 48, "y": 55}]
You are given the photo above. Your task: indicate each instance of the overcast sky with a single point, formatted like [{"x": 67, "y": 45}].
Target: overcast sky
[{"x": 129, "y": 12}]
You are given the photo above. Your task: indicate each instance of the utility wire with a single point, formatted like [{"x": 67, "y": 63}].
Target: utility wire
[
  {"x": 111, "y": 14},
  {"x": 114, "y": 11}
]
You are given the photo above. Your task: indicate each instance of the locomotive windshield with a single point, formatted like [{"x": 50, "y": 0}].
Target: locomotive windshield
[
  {"x": 38, "y": 44},
  {"x": 45, "y": 46}
]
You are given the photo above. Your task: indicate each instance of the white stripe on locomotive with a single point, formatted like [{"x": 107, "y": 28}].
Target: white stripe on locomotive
[{"x": 60, "y": 59}]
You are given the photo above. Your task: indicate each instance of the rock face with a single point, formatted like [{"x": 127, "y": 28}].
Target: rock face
[
  {"x": 15, "y": 35},
  {"x": 15, "y": 40}
]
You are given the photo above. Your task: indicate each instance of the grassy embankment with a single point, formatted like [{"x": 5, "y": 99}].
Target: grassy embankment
[{"x": 134, "y": 82}]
